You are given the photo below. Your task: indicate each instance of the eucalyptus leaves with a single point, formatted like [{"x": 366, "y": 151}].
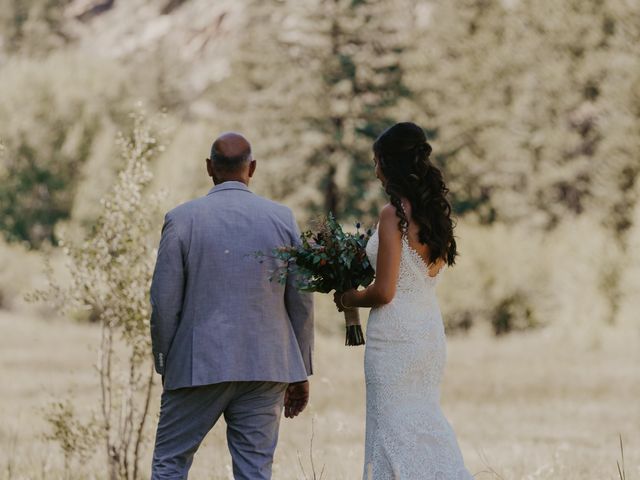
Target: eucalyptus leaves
[{"x": 328, "y": 259}]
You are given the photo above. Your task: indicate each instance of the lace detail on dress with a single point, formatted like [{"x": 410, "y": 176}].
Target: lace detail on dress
[
  {"x": 407, "y": 436},
  {"x": 414, "y": 279}
]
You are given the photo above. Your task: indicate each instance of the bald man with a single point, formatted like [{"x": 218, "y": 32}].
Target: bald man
[{"x": 227, "y": 341}]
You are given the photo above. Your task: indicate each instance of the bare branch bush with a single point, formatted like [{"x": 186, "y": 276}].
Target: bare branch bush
[
  {"x": 75, "y": 437},
  {"x": 110, "y": 276},
  {"x": 314, "y": 475}
]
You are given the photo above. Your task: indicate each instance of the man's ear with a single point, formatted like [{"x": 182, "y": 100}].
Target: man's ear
[{"x": 252, "y": 168}]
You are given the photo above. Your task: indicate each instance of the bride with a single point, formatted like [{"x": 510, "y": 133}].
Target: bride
[{"x": 407, "y": 435}]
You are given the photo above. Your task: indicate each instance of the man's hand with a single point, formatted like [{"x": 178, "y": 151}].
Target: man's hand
[{"x": 296, "y": 397}]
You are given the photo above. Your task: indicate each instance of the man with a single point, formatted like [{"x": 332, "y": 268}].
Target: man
[{"x": 226, "y": 340}]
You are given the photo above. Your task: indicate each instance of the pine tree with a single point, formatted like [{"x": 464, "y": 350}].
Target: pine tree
[
  {"x": 323, "y": 79},
  {"x": 269, "y": 92},
  {"x": 574, "y": 101},
  {"x": 363, "y": 87},
  {"x": 616, "y": 169},
  {"x": 532, "y": 105},
  {"x": 461, "y": 72}
]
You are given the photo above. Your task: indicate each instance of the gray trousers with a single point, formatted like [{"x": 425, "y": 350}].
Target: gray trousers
[{"x": 251, "y": 410}]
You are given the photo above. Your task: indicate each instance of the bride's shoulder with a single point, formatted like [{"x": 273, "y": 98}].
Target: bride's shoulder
[
  {"x": 387, "y": 215},
  {"x": 387, "y": 211},
  {"x": 388, "y": 221}
]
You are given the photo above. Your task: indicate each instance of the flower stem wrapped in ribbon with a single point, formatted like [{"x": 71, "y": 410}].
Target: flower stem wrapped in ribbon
[{"x": 329, "y": 259}]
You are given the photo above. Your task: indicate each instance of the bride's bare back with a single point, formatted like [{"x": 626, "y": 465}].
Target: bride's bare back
[{"x": 421, "y": 249}]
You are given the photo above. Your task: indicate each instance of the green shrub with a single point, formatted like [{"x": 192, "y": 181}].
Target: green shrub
[
  {"x": 51, "y": 113},
  {"x": 514, "y": 312},
  {"x": 19, "y": 269},
  {"x": 515, "y": 277}
]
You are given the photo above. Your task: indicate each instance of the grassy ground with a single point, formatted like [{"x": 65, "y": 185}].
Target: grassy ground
[{"x": 542, "y": 405}]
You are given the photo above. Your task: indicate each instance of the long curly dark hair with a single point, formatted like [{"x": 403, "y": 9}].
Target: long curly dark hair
[{"x": 402, "y": 152}]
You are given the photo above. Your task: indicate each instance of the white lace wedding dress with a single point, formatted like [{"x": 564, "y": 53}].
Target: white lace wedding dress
[{"x": 407, "y": 435}]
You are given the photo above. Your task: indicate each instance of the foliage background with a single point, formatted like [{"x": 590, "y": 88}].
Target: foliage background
[{"x": 532, "y": 107}]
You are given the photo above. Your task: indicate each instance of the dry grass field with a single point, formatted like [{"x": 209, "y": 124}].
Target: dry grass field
[{"x": 541, "y": 405}]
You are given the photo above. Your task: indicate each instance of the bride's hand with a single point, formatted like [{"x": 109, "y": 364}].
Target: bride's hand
[{"x": 345, "y": 299}]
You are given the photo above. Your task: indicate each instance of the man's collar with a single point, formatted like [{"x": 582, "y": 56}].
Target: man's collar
[{"x": 229, "y": 185}]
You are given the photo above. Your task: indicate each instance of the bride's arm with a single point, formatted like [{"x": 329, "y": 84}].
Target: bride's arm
[{"x": 383, "y": 289}]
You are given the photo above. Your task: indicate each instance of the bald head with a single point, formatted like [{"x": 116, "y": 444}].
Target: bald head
[
  {"x": 230, "y": 152},
  {"x": 231, "y": 158}
]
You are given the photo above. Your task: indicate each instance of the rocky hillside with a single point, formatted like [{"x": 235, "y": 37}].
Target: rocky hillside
[{"x": 195, "y": 36}]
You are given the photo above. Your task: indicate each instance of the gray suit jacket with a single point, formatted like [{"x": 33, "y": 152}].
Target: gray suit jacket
[{"x": 216, "y": 317}]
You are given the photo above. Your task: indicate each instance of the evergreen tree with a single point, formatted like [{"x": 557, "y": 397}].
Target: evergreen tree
[
  {"x": 577, "y": 93},
  {"x": 461, "y": 72},
  {"x": 532, "y": 105},
  {"x": 324, "y": 79},
  {"x": 267, "y": 94},
  {"x": 361, "y": 95},
  {"x": 616, "y": 168}
]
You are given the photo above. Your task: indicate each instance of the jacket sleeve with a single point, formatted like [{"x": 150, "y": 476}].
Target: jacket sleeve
[
  {"x": 167, "y": 290},
  {"x": 300, "y": 309}
]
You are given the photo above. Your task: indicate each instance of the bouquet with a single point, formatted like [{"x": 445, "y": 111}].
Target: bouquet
[{"x": 329, "y": 259}]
